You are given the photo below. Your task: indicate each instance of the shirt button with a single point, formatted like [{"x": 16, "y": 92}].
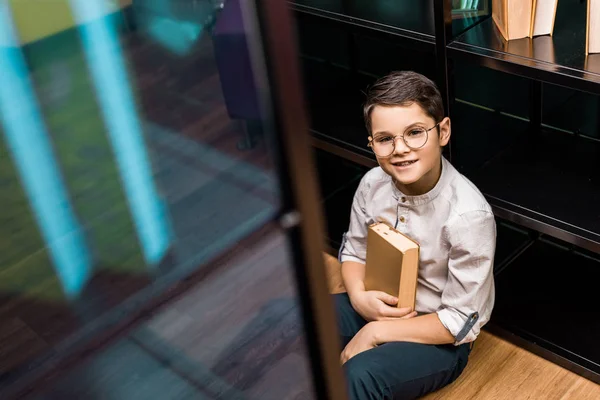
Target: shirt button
[{"x": 402, "y": 219}]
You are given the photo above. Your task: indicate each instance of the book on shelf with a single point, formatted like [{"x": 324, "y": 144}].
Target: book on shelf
[
  {"x": 392, "y": 264},
  {"x": 517, "y": 19},
  {"x": 542, "y": 17},
  {"x": 592, "y": 37},
  {"x": 513, "y": 17}
]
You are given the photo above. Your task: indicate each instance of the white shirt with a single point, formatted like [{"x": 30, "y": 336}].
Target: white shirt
[{"x": 456, "y": 230}]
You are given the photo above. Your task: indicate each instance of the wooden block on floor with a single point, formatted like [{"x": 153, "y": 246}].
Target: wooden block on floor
[{"x": 333, "y": 272}]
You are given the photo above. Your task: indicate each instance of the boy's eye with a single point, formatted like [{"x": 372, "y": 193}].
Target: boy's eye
[
  {"x": 384, "y": 139},
  {"x": 415, "y": 132}
]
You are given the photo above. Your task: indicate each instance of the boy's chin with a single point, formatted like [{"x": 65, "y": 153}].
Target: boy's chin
[{"x": 406, "y": 178}]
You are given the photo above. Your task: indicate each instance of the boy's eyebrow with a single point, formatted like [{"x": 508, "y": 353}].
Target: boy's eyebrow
[{"x": 419, "y": 123}]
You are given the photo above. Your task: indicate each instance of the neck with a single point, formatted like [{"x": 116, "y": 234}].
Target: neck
[{"x": 423, "y": 185}]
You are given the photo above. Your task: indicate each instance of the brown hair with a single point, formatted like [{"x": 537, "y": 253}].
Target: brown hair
[{"x": 403, "y": 88}]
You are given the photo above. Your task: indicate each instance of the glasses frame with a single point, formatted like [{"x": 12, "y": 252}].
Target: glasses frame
[{"x": 370, "y": 144}]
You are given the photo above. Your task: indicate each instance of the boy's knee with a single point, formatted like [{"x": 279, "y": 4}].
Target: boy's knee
[{"x": 361, "y": 382}]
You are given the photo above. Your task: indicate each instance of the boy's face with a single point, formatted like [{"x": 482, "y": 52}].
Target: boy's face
[{"x": 423, "y": 171}]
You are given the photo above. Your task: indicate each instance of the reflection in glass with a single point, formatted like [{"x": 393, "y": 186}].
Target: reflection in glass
[
  {"x": 32, "y": 153},
  {"x": 108, "y": 72}
]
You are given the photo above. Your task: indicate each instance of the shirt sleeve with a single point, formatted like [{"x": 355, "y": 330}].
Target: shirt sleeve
[
  {"x": 469, "y": 291},
  {"x": 354, "y": 243}
]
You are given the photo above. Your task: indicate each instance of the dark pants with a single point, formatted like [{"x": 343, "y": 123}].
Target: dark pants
[{"x": 396, "y": 370}]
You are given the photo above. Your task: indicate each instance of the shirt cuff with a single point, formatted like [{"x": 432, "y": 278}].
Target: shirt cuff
[
  {"x": 460, "y": 326},
  {"x": 346, "y": 257}
]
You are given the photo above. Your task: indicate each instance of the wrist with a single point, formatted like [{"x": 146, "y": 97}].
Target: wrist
[
  {"x": 355, "y": 288},
  {"x": 353, "y": 294},
  {"x": 375, "y": 329}
]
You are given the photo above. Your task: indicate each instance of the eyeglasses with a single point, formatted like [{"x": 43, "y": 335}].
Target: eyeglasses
[{"x": 414, "y": 138}]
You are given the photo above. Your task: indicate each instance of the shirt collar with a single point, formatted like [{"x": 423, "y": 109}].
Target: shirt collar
[{"x": 432, "y": 194}]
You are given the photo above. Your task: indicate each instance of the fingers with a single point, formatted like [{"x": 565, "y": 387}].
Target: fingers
[
  {"x": 386, "y": 298},
  {"x": 393, "y": 312},
  {"x": 411, "y": 315},
  {"x": 407, "y": 316}
]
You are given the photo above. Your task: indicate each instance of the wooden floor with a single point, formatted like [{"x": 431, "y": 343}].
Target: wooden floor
[{"x": 499, "y": 370}]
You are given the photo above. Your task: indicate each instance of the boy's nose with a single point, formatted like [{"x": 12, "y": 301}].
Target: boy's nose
[{"x": 399, "y": 146}]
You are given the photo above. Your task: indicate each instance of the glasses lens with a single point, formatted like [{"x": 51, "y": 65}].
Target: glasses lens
[
  {"x": 383, "y": 146},
  {"x": 416, "y": 138}
]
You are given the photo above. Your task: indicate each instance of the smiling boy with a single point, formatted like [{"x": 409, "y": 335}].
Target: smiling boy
[{"x": 392, "y": 353}]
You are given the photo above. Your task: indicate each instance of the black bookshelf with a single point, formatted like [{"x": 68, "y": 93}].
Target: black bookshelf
[
  {"x": 538, "y": 168},
  {"x": 409, "y": 21},
  {"x": 412, "y": 24},
  {"x": 549, "y": 181},
  {"x": 547, "y": 296},
  {"x": 559, "y": 59},
  {"x": 540, "y": 177}
]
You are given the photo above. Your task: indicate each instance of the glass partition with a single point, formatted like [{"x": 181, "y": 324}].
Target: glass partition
[{"x": 142, "y": 253}]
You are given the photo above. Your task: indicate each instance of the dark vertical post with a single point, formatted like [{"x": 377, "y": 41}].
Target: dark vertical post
[
  {"x": 301, "y": 211},
  {"x": 443, "y": 35}
]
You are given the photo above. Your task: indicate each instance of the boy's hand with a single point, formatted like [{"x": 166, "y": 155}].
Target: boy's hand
[
  {"x": 374, "y": 305},
  {"x": 364, "y": 340}
]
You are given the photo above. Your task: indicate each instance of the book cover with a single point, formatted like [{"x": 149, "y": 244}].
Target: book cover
[
  {"x": 392, "y": 264},
  {"x": 513, "y": 18},
  {"x": 592, "y": 37},
  {"x": 542, "y": 17}
]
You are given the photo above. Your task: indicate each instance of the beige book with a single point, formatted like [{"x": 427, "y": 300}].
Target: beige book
[
  {"x": 392, "y": 264},
  {"x": 592, "y": 38},
  {"x": 592, "y": 63},
  {"x": 542, "y": 17},
  {"x": 513, "y": 17}
]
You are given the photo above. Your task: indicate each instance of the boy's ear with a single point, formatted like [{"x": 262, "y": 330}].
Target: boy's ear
[{"x": 445, "y": 131}]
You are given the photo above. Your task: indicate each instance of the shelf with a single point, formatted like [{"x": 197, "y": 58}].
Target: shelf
[
  {"x": 338, "y": 180},
  {"x": 511, "y": 240},
  {"x": 571, "y": 110},
  {"x": 548, "y": 297},
  {"x": 408, "y": 20},
  {"x": 335, "y": 172},
  {"x": 334, "y": 99},
  {"x": 337, "y": 212},
  {"x": 411, "y": 21},
  {"x": 559, "y": 59},
  {"x": 549, "y": 182}
]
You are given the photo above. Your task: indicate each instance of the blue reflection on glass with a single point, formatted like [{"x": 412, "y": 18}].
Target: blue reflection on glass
[
  {"x": 107, "y": 67},
  {"x": 27, "y": 139},
  {"x": 164, "y": 21},
  {"x": 177, "y": 36}
]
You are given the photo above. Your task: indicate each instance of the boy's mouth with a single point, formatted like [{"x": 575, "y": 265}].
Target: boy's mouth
[{"x": 403, "y": 163}]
